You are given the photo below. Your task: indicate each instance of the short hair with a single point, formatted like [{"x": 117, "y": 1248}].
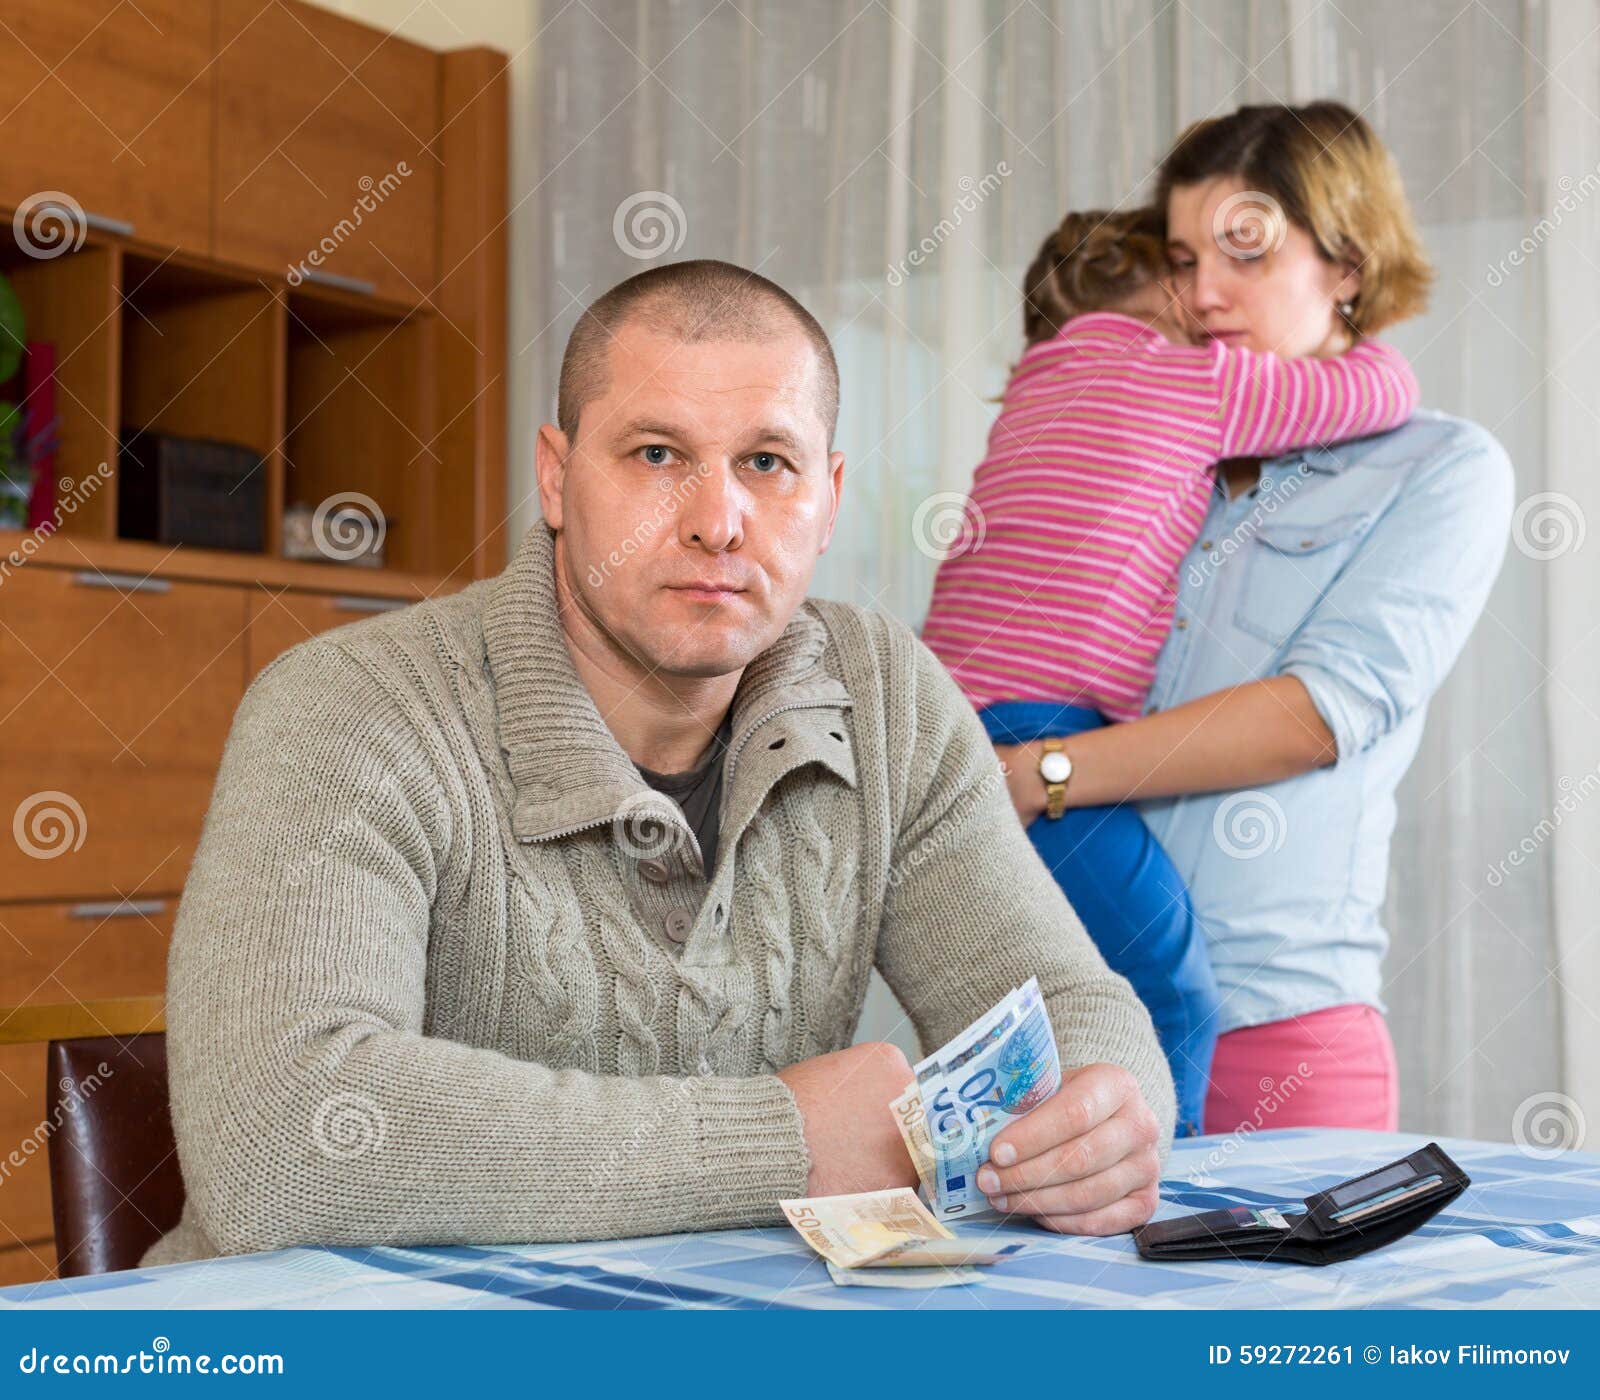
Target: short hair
[
  {"x": 694, "y": 301},
  {"x": 1331, "y": 176},
  {"x": 1094, "y": 259}
]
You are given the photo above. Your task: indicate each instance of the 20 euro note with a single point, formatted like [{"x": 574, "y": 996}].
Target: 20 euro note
[{"x": 1002, "y": 1066}]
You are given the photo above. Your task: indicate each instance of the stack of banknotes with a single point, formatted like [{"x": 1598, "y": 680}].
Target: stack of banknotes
[
  {"x": 1003, "y": 1065},
  {"x": 887, "y": 1239}
]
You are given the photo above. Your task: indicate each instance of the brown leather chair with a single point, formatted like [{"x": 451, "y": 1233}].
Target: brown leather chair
[{"x": 115, "y": 1186}]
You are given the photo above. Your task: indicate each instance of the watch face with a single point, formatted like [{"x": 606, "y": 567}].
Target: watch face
[{"x": 1055, "y": 767}]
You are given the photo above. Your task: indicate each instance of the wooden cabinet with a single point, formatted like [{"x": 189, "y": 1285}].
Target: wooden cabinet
[
  {"x": 119, "y": 691},
  {"x": 110, "y": 104},
  {"x": 325, "y": 135},
  {"x": 51, "y": 953},
  {"x": 245, "y": 143}
]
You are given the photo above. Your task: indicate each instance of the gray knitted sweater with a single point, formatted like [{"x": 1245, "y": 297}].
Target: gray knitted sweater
[{"x": 446, "y": 971}]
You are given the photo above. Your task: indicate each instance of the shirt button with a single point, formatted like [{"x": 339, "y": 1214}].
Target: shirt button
[
  {"x": 1181, "y": 623},
  {"x": 1305, "y": 544},
  {"x": 1205, "y": 544},
  {"x": 677, "y": 924},
  {"x": 654, "y": 871}
]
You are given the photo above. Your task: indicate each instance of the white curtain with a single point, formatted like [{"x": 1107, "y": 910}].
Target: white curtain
[{"x": 896, "y": 164}]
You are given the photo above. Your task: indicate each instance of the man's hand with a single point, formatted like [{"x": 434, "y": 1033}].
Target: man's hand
[
  {"x": 1020, "y": 763},
  {"x": 1084, "y": 1162},
  {"x": 850, "y": 1129}
]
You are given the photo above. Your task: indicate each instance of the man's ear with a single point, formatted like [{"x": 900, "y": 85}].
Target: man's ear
[
  {"x": 550, "y": 453},
  {"x": 835, "y": 487}
]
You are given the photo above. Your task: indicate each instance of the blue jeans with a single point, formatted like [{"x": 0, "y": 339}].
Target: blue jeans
[{"x": 1132, "y": 902}]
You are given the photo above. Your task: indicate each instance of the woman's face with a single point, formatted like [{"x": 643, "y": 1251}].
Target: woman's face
[{"x": 1247, "y": 276}]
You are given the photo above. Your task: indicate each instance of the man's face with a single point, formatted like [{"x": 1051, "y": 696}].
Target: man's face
[{"x": 693, "y": 506}]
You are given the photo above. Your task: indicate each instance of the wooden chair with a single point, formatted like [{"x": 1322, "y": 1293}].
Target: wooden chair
[{"x": 115, "y": 1186}]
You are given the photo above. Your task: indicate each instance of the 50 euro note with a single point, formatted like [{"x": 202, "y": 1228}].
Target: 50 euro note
[{"x": 885, "y": 1230}]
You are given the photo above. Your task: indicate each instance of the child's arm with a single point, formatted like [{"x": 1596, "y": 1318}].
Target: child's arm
[{"x": 1270, "y": 404}]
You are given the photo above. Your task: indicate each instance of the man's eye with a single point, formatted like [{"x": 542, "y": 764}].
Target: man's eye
[
  {"x": 766, "y": 462},
  {"x": 654, "y": 460}
]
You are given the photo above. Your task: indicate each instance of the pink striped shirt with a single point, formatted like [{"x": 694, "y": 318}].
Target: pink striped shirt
[{"x": 1096, "y": 484}]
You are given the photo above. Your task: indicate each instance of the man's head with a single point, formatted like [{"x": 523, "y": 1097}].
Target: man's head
[{"x": 689, "y": 476}]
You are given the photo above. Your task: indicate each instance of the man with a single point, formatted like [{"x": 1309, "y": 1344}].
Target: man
[{"x": 546, "y": 910}]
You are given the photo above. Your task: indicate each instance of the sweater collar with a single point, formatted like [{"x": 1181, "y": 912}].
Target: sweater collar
[{"x": 567, "y": 766}]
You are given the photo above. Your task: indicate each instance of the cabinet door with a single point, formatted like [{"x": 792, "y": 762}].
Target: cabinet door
[
  {"x": 118, "y": 694},
  {"x": 110, "y": 103},
  {"x": 280, "y": 620},
  {"x": 324, "y": 147},
  {"x": 60, "y": 953}
]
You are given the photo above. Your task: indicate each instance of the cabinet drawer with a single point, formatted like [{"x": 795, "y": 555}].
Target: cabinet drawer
[
  {"x": 118, "y": 693},
  {"x": 280, "y": 620},
  {"x": 110, "y": 103},
  {"x": 315, "y": 116},
  {"x": 92, "y": 950}
]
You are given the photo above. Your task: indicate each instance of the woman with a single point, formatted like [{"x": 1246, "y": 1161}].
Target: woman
[{"x": 1328, "y": 595}]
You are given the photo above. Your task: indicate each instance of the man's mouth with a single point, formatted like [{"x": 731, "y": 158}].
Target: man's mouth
[{"x": 707, "y": 590}]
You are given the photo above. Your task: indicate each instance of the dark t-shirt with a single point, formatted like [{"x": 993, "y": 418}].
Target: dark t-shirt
[{"x": 698, "y": 791}]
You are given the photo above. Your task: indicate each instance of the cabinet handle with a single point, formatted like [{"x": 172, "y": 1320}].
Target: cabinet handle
[
  {"x": 116, "y": 908},
  {"x": 106, "y": 224},
  {"x": 134, "y": 583},
  {"x": 332, "y": 279},
  {"x": 351, "y": 603}
]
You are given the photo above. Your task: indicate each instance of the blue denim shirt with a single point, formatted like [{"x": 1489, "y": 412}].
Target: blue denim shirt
[{"x": 1360, "y": 569}]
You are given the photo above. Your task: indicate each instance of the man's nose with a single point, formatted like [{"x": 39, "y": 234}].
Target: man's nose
[{"x": 712, "y": 517}]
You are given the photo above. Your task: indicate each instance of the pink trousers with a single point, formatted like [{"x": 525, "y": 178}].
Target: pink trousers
[{"x": 1333, "y": 1068}]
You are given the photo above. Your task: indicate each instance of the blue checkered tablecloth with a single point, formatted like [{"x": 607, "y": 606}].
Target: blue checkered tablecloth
[{"x": 1526, "y": 1233}]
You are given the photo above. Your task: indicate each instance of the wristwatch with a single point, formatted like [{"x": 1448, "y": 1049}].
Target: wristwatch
[{"x": 1055, "y": 768}]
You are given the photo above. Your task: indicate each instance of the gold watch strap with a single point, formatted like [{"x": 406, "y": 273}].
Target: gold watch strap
[{"x": 1055, "y": 794}]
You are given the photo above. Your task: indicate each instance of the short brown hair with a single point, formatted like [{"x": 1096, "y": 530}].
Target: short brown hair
[
  {"x": 1333, "y": 177},
  {"x": 1095, "y": 259},
  {"x": 690, "y": 301}
]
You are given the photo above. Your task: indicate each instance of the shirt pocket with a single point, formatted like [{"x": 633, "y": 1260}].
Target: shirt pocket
[{"x": 1290, "y": 565}]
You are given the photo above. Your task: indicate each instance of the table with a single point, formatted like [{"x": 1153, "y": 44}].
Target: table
[{"x": 1526, "y": 1233}]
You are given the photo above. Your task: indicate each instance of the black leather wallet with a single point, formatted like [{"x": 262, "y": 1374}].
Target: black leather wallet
[{"x": 1346, "y": 1220}]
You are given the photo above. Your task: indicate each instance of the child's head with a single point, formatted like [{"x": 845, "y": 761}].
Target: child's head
[{"x": 1101, "y": 260}]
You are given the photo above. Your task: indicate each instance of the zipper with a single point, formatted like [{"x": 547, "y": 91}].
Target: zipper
[{"x": 608, "y": 821}]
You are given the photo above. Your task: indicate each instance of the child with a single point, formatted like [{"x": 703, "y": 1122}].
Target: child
[{"x": 1095, "y": 486}]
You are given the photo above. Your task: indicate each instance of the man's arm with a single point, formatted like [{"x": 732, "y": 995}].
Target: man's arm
[
  {"x": 971, "y": 912},
  {"x": 309, "y": 1101}
]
